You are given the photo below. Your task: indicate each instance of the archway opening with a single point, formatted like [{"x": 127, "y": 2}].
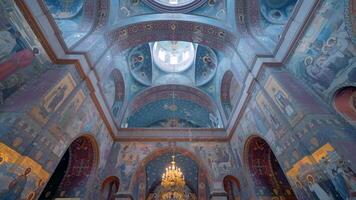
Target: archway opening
[
  {"x": 229, "y": 92},
  {"x": 345, "y": 102},
  {"x": 109, "y": 187},
  {"x": 232, "y": 188},
  {"x": 72, "y": 174},
  {"x": 155, "y": 169},
  {"x": 267, "y": 175}
]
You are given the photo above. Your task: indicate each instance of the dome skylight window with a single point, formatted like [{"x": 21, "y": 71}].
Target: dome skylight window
[
  {"x": 173, "y": 56},
  {"x": 174, "y": 2},
  {"x": 175, "y": 6}
]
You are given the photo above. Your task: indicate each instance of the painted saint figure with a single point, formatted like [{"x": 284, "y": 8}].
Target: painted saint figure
[
  {"x": 317, "y": 189},
  {"x": 284, "y": 103},
  {"x": 60, "y": 93},
  {"x": 270, "y": 115},
  {"x": 15, "y": 187}
]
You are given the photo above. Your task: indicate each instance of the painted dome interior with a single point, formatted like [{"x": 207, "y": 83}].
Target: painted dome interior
[
  {"x": 177, "y": 61},
  {"x": 174, "y": 2},
  {"x": 256, "y": 99}
]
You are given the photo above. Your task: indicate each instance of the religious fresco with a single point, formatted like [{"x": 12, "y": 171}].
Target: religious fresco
[
  {"x": 350, "y": 14},
  {"x": 266, "y": 173},
  {"x": 274, "y": 121},
  {"x": 205, "y": 65},
  {"x": 21, "y": 57},
  {"x": 126, "y": 160},
  {"x": 140, "y": 64},
  {"x": 54, "y": 99},
  {"x": 217, "y": 157},
  {"x": 72, "y": 18},
  {"x": 325, "y": 57},
  {"x": 212, "y": 9},
  {"x": 312, "y": 146},
  {"x": 21, "y": 177},
  {"x": 323, "y": 174}
]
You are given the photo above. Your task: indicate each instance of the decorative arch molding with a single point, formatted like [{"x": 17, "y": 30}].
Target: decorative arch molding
[
  {"x": 229, "y": 89},
  {"x": 266, "y": 173},
  {"x": 159, "y": 30},
  {"x": 113, "y": 184},
  {"x": 350, "y": 14},
  {"x": 187, "y": 100},
  {"x": 232, "y": 187},
  {"x": 89, "y": 136},
  {"x": 175, "y": 9},
  {"x": 203, "y": 169},
  {"x": 80, "y": 165},
  {"x": 165, "y": 91},
  {"x": 120, "y": 93},
  {"x": 345, "y": 102}
]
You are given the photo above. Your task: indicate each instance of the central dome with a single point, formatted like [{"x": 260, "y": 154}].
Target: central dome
[
  {"x": 174, "y": 2},
  {"x": 173, "y": 56}
]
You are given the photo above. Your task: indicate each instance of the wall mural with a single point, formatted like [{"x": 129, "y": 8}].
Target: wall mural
[
  {"x": 212, "y": 9},
  {"x": 325, "y": 57},
  {"x": 43, "y": 108},
  {"x": 127, "y": 157},
  {"x": 21, "y": 176},
  {"x": 324, "y": 174},
  {"x": 54, "y": 99},
  {"x": 21, "y": 57},
  {"x": 267, "y": 176}
]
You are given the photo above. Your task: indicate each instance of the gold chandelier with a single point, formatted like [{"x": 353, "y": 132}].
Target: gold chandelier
[{"x": 173, "y": 178}]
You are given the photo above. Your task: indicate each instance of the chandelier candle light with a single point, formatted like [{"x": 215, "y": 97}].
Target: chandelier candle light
[{"x": 173, "y": 178}]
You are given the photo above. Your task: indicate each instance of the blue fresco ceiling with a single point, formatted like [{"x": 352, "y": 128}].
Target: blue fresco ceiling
[
  {"x": 140, "y": 73},
  {"x": 70, "y": 17},
  {"x": 212, "y": 9},
  {"x": 137, "y": 69}
]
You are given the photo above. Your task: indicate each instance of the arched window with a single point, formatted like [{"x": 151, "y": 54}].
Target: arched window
[
  {"x": 109, "y": 187},
  {"x": 345, "y": 102},
  {"x": 229, "y": 92},
  {"x": 266, "y": 173},
  {"x": 232, "y": 188},
  {"x": 72, "y": 174}
]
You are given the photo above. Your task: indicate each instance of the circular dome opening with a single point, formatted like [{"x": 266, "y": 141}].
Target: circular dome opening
[
  {"x": 174, "y": 3},
  {"x": 173, "y": 56},
  {"x": 175, "y": 6}
]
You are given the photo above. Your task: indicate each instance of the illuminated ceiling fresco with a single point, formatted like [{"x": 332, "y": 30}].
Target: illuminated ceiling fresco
[{"x": 189, "y": 64}]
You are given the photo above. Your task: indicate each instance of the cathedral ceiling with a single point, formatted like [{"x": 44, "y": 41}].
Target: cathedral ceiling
[{"x": 118, "y": 39}]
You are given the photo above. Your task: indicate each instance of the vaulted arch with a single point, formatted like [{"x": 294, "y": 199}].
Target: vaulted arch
[
  {"x": 79, "y": 163},
  {"x": 345, "y": 102},
  {"x": 266, "y": 173},
  {"x": 183, "y": 106},
  {"x": 229, "y": 92}
]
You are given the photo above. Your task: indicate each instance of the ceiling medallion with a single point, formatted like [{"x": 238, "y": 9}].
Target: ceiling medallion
[{"x": 174, "y": 6}]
